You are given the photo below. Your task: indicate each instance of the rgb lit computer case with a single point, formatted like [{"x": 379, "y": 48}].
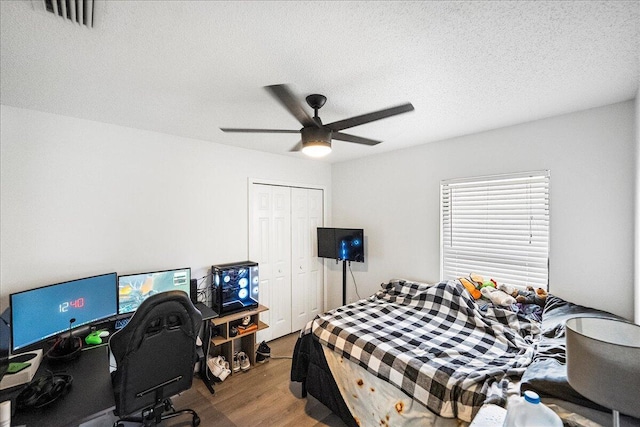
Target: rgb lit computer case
[{"x": 234, "y": 287}]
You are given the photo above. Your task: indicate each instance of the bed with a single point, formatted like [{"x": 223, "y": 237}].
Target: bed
[{"x": 423, "y": 354}]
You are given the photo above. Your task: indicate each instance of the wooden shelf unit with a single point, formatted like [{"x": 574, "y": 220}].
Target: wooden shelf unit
[{"x": 225, "y": 345}]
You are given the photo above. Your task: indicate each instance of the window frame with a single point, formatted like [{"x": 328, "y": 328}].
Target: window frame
[{"x": 532, "y": 204}]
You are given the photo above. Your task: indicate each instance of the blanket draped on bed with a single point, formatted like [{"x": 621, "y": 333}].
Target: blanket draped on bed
[{"x": 432, "y": 342}]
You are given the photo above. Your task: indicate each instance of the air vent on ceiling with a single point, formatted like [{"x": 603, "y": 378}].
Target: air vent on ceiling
[{"x": 77, "y": 11}]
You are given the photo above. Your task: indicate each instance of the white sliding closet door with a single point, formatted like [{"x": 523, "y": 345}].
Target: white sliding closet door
[
  {"x": 270, "y": 246},
  {"x": 282, "y": 239},
  {"x": 307, "y": 269}
]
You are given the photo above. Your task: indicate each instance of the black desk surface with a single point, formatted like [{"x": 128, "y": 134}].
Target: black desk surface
[
  {"x": 206, "y": 311},
  {"x": 90, "y": 392}
]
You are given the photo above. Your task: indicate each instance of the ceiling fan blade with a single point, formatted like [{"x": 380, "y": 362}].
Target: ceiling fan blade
[
  {"x": 370, "y": 117},
  {"x": 284, "y": 95},
  {"x": 259, "y": 130},
  {"x": 297, "y": 147},
  {"x": 352, "y": 138}
]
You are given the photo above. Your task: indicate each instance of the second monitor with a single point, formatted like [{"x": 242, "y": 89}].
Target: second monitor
[{"x": 135, "y": 288}]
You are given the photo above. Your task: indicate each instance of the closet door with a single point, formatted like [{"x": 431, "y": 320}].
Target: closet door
[
  {"x": 307, "y": 275},
  {"x": 270, "y": 246},
  {"x": 316, "y": 265}
]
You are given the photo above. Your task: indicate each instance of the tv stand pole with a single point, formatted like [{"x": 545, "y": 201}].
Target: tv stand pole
[{"x": 344, "y": 282}]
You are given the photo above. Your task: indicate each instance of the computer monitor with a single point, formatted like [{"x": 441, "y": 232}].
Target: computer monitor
[
  {"x": 41, "y": 313},
  {"x": 135, "y": 288}
]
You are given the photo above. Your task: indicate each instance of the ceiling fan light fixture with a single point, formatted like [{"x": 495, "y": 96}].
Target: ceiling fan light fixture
[
  {"x": 316, "y": 141},
  {"x": 316, "y": 148}
]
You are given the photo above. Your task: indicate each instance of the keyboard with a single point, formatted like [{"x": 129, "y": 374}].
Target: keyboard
[{"x": 121, "y": 323}]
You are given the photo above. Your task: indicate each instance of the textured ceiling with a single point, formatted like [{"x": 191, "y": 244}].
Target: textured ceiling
[{"x": 189, "y": 68}]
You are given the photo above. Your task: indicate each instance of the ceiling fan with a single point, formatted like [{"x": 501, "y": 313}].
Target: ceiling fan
[{"x": 315, "y": 136}]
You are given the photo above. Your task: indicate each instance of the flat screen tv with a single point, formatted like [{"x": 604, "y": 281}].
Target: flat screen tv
[
  {"x": 41, "y": 313},
  {"x": 135, "y": 288},
  {"x": 342, "y": 244}
]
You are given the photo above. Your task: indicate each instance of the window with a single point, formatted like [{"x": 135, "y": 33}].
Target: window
[{"x": 498, "y": 227}]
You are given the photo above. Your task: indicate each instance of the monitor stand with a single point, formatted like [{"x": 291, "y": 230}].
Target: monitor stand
[{"x": 25, "y": 375}]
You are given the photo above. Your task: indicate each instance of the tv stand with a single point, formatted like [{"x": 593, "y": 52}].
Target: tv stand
[{"x": 344, "y": 281}]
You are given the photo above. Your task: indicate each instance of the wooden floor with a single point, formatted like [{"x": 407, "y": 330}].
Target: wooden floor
[{"x": 262, "y": 396}]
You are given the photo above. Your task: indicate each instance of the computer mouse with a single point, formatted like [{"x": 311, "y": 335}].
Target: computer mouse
[{"x": 93, "y": 338}]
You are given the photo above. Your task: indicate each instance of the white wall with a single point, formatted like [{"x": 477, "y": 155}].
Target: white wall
[
  {"x": 591, "y": 156},
  {"x": 637, "y": 213},
  {"x": 81, "y": 198}
]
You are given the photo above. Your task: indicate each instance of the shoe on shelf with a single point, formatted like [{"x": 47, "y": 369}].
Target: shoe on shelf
[
  {"x": 219, "y": 367},
  {"x": 264, "y": 353},
  {"x": 244, "y": 361},
  {"x": 236, "y": 362}
]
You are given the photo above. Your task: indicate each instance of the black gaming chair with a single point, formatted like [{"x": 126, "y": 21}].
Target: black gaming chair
[{"x": 155, "y": 355}]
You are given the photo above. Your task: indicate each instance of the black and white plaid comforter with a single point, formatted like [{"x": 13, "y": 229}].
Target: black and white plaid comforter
[{"x": 432, "y": 342}]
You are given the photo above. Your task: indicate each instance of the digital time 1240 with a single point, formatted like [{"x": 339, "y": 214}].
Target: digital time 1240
[{"x": 67, "y": 305}]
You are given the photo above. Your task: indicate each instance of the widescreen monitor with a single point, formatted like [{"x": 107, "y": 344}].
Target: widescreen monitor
[
  {"x": 135, "y": 288},
  {"x": 41, "y": 313}
]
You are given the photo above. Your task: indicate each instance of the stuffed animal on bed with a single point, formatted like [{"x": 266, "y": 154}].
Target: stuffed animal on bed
[
  {"x": 526, "y": 296},
  {"x": 497, "y": 296},
  {"x": 473, "y": 283},
  {"x": 489, "y": 282},
  {"x": 471, "y": 287},
  {"x": 478, "y": 287}
]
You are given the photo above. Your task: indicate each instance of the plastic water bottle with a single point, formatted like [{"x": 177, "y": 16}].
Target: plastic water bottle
[{"x": 529, "y": 412}]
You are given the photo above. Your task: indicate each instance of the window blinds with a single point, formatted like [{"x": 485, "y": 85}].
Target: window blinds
[{"x": 498, "y": 227}]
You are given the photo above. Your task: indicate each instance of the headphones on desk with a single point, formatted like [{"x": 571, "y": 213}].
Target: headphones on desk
[
  {"x": 64, "y": 349},
  {"x": 43, "y": 391}
]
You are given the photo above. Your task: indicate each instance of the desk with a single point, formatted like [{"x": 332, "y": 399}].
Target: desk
[
  {"x": 91, "y": 393},
  {"x": 206, "y": 311},
  {"x": 207, "y": 315}
]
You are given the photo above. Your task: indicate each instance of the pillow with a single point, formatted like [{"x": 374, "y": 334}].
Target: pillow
[
  {"x": 547, "y": 374},
  {"x": 557, "y": 311}
]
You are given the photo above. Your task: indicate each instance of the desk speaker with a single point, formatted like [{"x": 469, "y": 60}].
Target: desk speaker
[{"x": 193, "y": 291}]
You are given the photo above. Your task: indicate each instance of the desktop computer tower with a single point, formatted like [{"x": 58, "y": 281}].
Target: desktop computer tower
[{"x": 234, "y": 287}]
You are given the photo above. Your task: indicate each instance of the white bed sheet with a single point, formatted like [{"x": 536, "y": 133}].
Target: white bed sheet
[{"x": 374, "y": 402}]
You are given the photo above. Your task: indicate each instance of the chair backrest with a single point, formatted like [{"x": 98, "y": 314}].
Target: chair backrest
[{"x": 157, "y": 348}]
